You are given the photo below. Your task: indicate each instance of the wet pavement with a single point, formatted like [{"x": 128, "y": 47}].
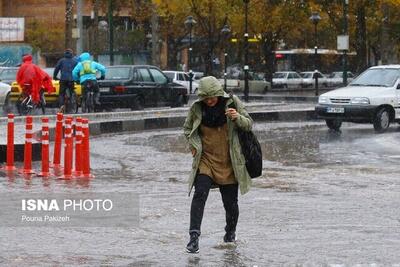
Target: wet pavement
[{"x": 325, "y": 199}]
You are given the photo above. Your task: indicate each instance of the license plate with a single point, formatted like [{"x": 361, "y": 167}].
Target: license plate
[
  {"x": 334, "y": 110},
  {"x": 104, "y": 89}
]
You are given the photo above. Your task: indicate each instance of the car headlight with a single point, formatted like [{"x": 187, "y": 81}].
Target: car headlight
[
  {"x": 360, "y": 100},
  {"x": 323, "y": 100}
]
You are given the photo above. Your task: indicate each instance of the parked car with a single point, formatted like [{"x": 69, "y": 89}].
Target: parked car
[
  {"x": 373, "y": 97},
  {"x": 309, "y": 79},
  {"x": 8, "y": 74},
  {"x": 4, "y": 96},
  {"x": 256, "y": 84},
  {"x": 139, "y": 86},
  {"x": 336, "y": 78},
  {"x": 51, "y": 99},
  {"x": 182, "y": 78},
  {"x": 287, "y": 79}
]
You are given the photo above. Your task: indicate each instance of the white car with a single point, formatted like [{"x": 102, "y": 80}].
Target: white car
[
  {"x": 182, "y": 78},
  {"x": 5, "y": 90},
  {"x": 287, "y": 79},
  {"x": 309, "y": 79},
  {"x": 336, "y": 78},
  {"x": 373, "y": 97}
]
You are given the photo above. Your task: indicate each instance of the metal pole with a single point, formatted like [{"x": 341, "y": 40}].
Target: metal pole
[
  {"x": 345, "y": 26},
  {"x": 225, "y": 67},
  {"x": 316, "y": 59},
  {"x": 190, "y": 59},
  {"x": 246, "y": 54},
  {"x": 111, "y": 31},
  {"x": 79, "y": 21}
]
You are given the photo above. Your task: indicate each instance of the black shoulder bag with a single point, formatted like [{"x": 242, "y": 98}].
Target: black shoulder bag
[{"x": 251, "y": 149}]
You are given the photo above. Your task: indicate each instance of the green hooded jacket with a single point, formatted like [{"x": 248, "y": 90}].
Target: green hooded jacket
[{"x": 210, "y": 87}]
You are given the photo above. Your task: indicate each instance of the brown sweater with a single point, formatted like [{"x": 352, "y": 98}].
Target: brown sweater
[{"x": 215, "y": 160}]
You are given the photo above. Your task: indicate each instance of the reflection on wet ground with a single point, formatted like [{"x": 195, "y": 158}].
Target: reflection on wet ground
[{"x": 325, "y": 198}]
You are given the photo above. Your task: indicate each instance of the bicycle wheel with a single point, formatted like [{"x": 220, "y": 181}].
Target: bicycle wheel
[
  {"x": 90, "y": 102},
  {"x": 71, "y": 105},
  {"x": 24, "y": 107}
]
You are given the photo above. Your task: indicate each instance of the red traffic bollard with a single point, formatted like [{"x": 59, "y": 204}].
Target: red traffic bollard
[
  {"x": 58, "y": 140},
  {"x": 78, "y": 147},
  {"x": 86, "y": 150},
  {"x": 45, "y": 148},
  {"x": 10, "y": 144},
  {"x": 28, "y": 146},
  {"x": 68, "y": 149}
]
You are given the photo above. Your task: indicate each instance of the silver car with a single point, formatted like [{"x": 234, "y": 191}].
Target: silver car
[{"x": 287, "y": 79}]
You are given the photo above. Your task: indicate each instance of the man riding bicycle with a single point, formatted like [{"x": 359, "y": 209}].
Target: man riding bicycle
[
  {"x": 33, "y": 79},
  {"x": 65, "y": 66},
  {"x": 86, "y": 71}
]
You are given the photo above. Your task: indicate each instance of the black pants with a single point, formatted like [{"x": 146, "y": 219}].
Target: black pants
[{"x": 229, "y": 195}]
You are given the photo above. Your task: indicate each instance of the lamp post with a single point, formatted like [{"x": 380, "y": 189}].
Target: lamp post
[
  {"x": 315, "y": 18},
  {"x": 190, "y": 22},
  {"x": 345, "y": 5},
  {"x": 111, "y": 29},
  {"x": 225, "y": 32},
  {"x": 246, "y": 52}
]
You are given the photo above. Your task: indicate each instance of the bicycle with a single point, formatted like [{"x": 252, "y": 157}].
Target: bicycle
[
  {"x": 26, "y": 106},
  {"x": 88, "y": 102},
  {"x": 70, "y": 101}
]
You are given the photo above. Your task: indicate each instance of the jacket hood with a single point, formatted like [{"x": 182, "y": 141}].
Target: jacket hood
[
  {"x": 210, "y": 87},
  {"x": 84, "y": 56},
  {"x": 68, "y": 53},
  {"x": 27, "y": 58}
]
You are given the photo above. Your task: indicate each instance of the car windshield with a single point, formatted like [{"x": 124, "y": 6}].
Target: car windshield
[
  {"x": 377, "y": 77},
  {"x": 8, "y": 74},
  {"x": 306, "y": 75},
  {"x": 170, "y": 75},
  {"x": 117, "y": 73},
  {"x": 336, "y": 75},
  {"x": 279, "y": 75}
]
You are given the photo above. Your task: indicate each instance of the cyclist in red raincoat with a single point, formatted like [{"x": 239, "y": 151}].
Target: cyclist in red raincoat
[{"x": 32, "y": 79}]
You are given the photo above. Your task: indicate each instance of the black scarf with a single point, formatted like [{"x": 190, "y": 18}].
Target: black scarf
[{"x": 214, "y": 116}]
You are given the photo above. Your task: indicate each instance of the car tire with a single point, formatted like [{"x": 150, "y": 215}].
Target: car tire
[
  {"x": 137, "y": 104},
  {"x": 333, "y": 124},
  {"x": 7, "y": 108},
  {"x": 381, "y": 120}
]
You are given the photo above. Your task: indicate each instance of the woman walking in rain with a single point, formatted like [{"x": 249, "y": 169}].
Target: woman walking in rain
[{"x": 211, "y": 130}]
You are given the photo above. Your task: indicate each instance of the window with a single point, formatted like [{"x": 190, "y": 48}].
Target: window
[
  {"x": 145, "y": 75},
  {"x": 158, "y": 76},
  {"x": 181, "y": 77},
  {"x": 136, "y": 76},
  {"x": 118, "y": 73},
  {"x": 291, "y": 76}
]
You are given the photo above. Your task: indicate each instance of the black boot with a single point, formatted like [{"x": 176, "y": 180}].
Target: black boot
[
  {"x": 193, "y": 245},
  {"x": 229, "y": 237}
]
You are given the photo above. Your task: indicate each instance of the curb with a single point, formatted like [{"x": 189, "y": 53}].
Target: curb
[{"x": 155, "y": 122}]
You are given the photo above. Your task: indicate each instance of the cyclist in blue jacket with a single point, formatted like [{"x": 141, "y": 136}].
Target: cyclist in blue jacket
[
  {"x": 85, "y": 71},
  {"x": 65, "y": 65}
]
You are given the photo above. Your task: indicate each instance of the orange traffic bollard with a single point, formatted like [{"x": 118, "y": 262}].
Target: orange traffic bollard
[
  {"x": 58, "y": 140},
  {"x": 28, "y": 146},
  {"x": 68, "y": 149},
  {"x": 45, "y": 148},
  {"x": 86, "y": 150},
  {"x": 10, "y": 144},
  {"x": 78, "y": 147}
]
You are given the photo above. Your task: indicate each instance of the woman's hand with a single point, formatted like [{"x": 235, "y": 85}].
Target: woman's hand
[
  {"x": 194, "y": 151},
  {"x": 232, "y": 113}
]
